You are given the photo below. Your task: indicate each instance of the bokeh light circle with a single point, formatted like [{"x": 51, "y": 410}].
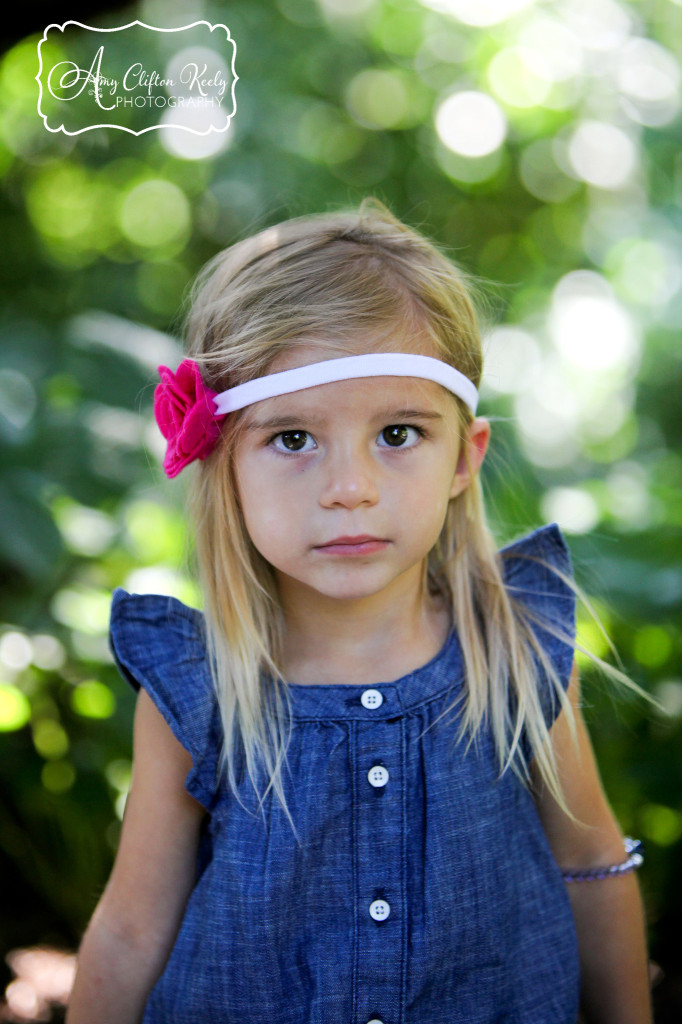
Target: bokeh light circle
[
  {"x": 602, "y": 154},
  {"x": 471, "y": 123},
  {"x": 154, "y": 213},
  {"x": 588, "y": 325}
]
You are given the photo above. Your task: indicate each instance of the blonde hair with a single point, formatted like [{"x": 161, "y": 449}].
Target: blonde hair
[{"x": 329, "y": 278}]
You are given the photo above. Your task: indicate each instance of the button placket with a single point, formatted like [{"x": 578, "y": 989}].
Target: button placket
[{"x": 379, "y": 847}]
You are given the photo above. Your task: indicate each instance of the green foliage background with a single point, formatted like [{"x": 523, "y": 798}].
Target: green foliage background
[{"x": 102, "y": 233}]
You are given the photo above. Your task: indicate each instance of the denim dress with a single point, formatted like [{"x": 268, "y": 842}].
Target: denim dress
[{"x": 423, "y": 890}]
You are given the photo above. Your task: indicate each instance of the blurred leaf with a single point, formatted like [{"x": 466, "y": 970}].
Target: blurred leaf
[{"x": 29, "y": 540}]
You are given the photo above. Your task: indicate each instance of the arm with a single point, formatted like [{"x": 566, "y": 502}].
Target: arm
[
  {"x": 608, "y": 913},
  {"x": 136, "y": 921}
]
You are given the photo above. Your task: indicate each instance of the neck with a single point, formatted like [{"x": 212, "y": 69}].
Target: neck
[{"x": 377, "y": 638}]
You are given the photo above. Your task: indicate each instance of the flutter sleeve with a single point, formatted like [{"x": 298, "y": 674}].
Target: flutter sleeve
[
  {"x": 158, "y": 644},
  {"x": 546, "y": 595}
]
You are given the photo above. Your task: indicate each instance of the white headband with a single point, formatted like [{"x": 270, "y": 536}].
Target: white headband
[{"x": 376, "y": 364}]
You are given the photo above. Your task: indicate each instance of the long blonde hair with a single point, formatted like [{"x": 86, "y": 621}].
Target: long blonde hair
[{"x": 330, "y": 278}]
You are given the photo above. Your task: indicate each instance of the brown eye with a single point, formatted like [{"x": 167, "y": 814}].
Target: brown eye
[
  {"x": 397, "y": 433},
  {"x": 293, "y": 440}
]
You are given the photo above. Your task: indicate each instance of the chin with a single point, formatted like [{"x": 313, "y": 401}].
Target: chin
[{"x": 350, "y": 590}]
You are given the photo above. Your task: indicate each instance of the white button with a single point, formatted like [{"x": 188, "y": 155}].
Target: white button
[
  {"x": 379, "y": 910},
  {"x": 372, "y": 699},
  {"x": 375, "y": 1020},
  {"x": 378, "y": 775}
]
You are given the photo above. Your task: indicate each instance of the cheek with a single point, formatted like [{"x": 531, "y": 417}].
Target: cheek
[
  {"x": 429, "y": 504},
  {"x": 429, "y": 488},
  {"x": 266, "y": 526},
  {"x": 431, "y": 511},
  {"x": 268, "y": 504},
  {"x": 252, "y": 492}
]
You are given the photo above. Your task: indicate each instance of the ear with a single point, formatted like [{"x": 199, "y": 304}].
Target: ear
[{"x": 475, "y": 444}]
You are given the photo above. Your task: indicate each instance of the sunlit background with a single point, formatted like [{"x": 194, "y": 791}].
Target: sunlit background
[{"x": 539, "y": 143}]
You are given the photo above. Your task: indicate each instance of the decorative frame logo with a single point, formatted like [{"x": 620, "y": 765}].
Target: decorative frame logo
[{"x": 82, "y": 77}]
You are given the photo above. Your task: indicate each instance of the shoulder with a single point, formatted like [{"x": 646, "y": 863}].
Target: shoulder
[
  {"x": 147, "y": 631},
  {"x": 538, "y": 574},
  {"x": 137, "y": 618},
  {"x": 160, "y": 642},
  {"x": 544, "y": 549},
  {"x": 159, "y": 645}
]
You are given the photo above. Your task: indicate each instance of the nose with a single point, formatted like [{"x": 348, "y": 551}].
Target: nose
[{"x": 350, "y": 477}]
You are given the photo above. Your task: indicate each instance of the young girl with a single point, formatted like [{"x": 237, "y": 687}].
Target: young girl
[{"x": 363, "y": 791}]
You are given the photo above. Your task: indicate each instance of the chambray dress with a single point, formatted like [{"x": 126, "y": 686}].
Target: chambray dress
[{"x": 424, "y": 891}]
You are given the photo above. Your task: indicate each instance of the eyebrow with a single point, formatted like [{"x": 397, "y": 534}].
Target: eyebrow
[{"x": 296, "y": 419}]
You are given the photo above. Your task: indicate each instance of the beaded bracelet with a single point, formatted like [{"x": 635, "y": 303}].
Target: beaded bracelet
[{"x": 635, "y": 850}]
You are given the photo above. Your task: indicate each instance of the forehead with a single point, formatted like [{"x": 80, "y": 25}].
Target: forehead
[{"x": 300, "y": 353}]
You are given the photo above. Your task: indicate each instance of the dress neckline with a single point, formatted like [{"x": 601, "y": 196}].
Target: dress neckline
[{"x": 359, "y": 700}]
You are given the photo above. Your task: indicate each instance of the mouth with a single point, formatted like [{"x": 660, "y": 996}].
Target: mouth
[{"x": 361, "y": 545}]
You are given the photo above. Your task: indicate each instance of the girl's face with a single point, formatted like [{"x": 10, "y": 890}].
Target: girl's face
[{"x": 379, "y": 456}]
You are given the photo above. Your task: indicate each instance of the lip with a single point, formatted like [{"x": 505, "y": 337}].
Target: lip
[
  {"x": 360, "y": 539},
  {"x": 361, "y": 545}
]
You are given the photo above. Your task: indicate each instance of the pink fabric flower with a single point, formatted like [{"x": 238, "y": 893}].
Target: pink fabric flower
[{"x": 185, "y": 412}]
